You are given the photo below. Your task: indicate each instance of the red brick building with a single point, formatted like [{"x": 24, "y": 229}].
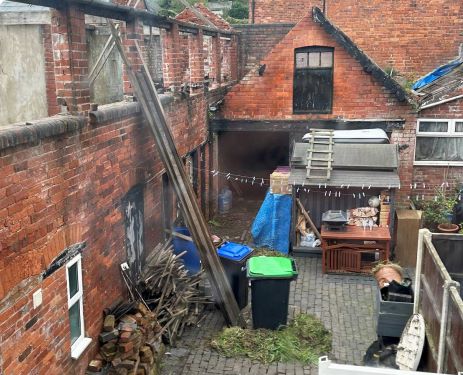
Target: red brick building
[
  {"x": 85, "y": 190},
  {"x": 71, "y": 185},
  {"x": 378, "y": 50}
]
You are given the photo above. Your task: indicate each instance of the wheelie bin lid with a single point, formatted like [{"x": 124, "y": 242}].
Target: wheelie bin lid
[
  {"x": 233, "y": 251},
  {"x": 263, "y": 267}
]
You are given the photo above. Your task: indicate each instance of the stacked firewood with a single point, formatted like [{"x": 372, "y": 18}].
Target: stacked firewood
[
  {"x": 130, "y": 344},
  {"x": 171, "y": 292}
]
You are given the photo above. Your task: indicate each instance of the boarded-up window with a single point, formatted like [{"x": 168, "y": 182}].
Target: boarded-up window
[
  {"x": 23, "y": 91},
  {"x": 313, "y": 80}
]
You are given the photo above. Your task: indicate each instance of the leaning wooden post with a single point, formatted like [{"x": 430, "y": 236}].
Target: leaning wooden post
[{"x": 152, "y": 109}]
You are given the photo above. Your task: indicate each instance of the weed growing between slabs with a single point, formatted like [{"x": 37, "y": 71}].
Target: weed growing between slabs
[{"x": 304, "y": 340}]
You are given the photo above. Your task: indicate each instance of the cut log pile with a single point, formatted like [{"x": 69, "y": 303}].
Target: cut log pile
[
  {"x": 173, "y": 294},
  {"x": 130, "y": 345}
]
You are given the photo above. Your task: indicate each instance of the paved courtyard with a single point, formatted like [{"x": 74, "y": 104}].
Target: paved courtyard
[{"x": 344, "y": 303}]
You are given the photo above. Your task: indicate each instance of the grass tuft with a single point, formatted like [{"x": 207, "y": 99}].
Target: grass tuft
[
  {"x": 303, "y": 340},
  {"x": 261, "y": 251}
]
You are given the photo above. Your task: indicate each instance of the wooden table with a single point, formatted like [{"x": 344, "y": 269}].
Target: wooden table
[{"x": 346, "y": 251}]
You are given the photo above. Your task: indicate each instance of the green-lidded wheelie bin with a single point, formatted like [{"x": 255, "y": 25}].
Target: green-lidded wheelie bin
[{"x": 270, "y": 279}]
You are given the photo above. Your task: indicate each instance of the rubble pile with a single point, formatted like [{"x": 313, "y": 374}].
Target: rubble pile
[{"x": 129, "y": 345}]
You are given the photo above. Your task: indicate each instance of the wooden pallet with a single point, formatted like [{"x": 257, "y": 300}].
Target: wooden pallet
[{"x": 320, "y": 155}]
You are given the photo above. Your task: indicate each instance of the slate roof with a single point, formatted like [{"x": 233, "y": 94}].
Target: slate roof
[{"x": 188, "y": 16}]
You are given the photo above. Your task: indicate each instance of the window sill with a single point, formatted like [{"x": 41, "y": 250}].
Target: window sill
[{"x": 79, "y": 347}]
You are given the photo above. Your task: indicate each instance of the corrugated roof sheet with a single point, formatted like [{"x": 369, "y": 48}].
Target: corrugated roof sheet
[
  {"x": 353, "y": 156},
  {"x": 365, "y": 156},
  {"x": 365, "y": 178}
]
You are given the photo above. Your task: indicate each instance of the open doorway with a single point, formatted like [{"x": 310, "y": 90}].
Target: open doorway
[{"x": 252, "y": 154}]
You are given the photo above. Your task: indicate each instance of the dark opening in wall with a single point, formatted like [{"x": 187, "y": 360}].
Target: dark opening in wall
[{"x": 253, "y": 154}]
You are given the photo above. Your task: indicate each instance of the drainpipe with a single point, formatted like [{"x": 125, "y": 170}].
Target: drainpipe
[
  {"x": 419, "y": 263},
  {"x": 253, "y": 7},
  {"x": 443, "y": 324}
]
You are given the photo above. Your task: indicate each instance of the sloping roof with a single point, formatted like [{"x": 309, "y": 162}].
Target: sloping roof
[
  {"x": 188, "y": 16},
  {"x": 437, "y": 73},
  {"x": 366, "y": 62},
  {"x": 367, "y": 179},
  {"x": 357, "y": 165},
  {"x": 353, "y": 156},
  {"x": 442, "y": 84}
]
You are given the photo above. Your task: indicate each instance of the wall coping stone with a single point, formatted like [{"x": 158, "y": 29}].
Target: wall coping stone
[
  {"x": 32, "y": 132},
  {"x": 116, "y": 111}
]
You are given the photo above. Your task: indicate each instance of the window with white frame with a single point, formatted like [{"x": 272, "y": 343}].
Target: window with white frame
[
  {"x": 439, "y": 142},
  {"x": 75, "y": 306}
]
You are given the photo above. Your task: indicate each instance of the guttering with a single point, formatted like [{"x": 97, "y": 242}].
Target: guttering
[{"x": 441, "y": 102}]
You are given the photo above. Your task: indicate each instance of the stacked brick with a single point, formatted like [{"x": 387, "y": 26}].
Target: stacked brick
[{"x": 129, "y": 345}]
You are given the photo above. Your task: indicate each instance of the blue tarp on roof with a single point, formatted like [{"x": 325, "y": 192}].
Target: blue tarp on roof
[{"x": 435, "y": 74}]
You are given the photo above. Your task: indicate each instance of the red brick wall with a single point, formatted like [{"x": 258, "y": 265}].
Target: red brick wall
[
  {"x": 70, "y": 59},
  {"x": 356, "y": 93},
  {"x": 255, "y": 41},
  {"x": 406, "y": 34},
  {"x": 53, "y": 107},
  {"x": 79, "y": 178}
]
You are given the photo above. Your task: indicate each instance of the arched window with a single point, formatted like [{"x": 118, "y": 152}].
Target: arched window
[{"x": 313, "y": 80}]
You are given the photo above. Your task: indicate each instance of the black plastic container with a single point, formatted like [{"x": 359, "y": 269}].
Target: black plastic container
[
  {"x": 233, "y": 257},
  {"x": 270, "y": 295}
]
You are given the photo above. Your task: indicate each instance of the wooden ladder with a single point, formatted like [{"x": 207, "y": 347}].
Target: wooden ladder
[{"x": 320, "y": 155}]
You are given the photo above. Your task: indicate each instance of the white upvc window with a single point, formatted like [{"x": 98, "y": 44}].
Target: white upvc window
[
  {"x": 439, "y": 142},
  {"x": 76, "y": 307}
]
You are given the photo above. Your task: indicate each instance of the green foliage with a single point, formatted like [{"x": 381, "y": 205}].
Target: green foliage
[
  {"x": 239, "y": 10},
  {"x": 214, "y": 223},
  {"x": 235, "y": 21},
  {"x": 437, "y": 211},
  {"x": 304, "y": 340}
]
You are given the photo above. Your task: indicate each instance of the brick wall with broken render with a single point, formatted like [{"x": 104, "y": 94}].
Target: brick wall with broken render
[{"x": 63, "y": 181}]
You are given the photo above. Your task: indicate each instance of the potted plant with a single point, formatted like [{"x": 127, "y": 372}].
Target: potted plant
[{"x": 438, "y": 212}]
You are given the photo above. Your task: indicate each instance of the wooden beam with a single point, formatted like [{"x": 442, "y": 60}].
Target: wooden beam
[
  {"x": 220, "y": 125},
  {"x": 154, "y": 114},
  {"x": 102, "y": 58},
  {"x": 308, "y": 218}
]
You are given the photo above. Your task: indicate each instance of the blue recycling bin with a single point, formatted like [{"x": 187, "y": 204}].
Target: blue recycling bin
[
  {"x": 191, "y": 258},
  {"x": 233, "y": 257}
]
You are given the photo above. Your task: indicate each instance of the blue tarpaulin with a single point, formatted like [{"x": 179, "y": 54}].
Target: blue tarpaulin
[
  {"x": 273, "y": 222},
  {"x": 435, "y": 74}
]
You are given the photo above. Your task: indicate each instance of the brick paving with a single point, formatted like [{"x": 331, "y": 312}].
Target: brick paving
[{"x": 344, "y": 303}]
